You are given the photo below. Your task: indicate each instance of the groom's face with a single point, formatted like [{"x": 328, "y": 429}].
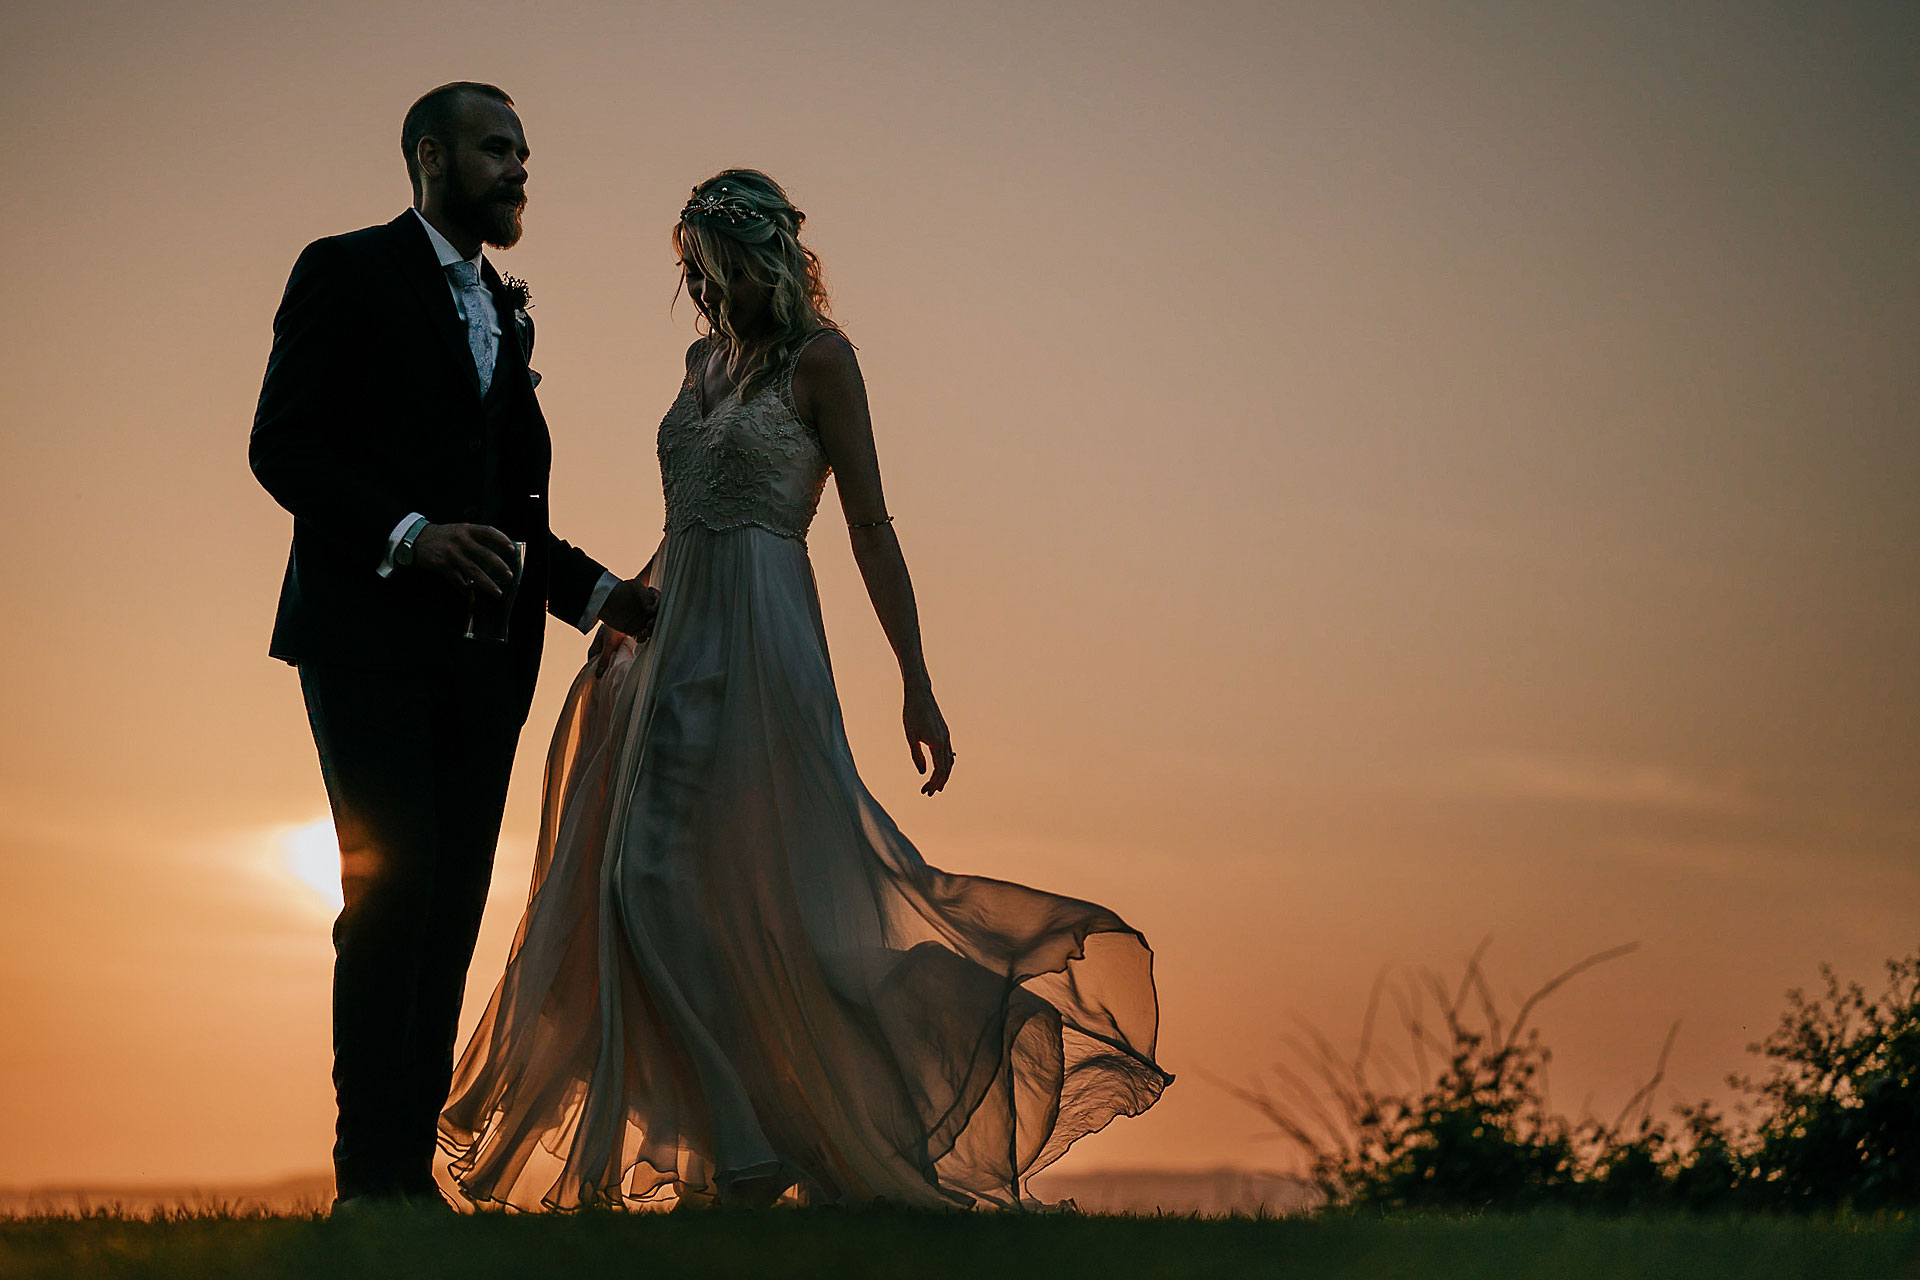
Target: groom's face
[{"x": 486, "y": 172}]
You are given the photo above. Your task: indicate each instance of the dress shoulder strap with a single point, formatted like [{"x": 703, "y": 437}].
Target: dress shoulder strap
[
  {"x": 793, "y": 363},
  {"x": 697, "y": 354}
]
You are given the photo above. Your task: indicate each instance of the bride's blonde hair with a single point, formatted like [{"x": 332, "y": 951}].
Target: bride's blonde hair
[{"x": 740, "y": 225}]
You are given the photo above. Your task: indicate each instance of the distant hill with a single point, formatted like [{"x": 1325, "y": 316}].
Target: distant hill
[
  {"x": 300, "y": 1194},
  {"x": 1207, "y": 1191}
]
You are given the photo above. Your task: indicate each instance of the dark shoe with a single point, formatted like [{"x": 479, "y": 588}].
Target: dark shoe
[
  {"x": 761, "y": 1192},
  {"x": 428, "y": 1199},
  {"x": 368, "y": 1203}
]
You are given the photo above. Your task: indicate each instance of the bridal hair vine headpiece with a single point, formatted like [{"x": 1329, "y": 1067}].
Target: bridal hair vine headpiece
[{"x": 721, "y": 203}]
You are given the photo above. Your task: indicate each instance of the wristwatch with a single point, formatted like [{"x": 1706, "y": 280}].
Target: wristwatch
[{"x": 403, "y": 550}]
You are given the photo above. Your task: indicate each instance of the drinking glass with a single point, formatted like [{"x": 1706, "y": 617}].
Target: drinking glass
[{"x": 488, "y": 618}]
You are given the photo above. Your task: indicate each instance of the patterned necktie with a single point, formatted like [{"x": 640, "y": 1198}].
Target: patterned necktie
[{"x": 473, "y": 301}]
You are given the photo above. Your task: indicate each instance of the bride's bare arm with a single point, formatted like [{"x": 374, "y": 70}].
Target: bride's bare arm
[{"x": 832, "y": 397}]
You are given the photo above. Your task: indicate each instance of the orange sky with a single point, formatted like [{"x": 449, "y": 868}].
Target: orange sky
[{"x": 1374, "y": 480}]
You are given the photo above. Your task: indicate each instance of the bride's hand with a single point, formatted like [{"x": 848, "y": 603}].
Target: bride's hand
[
  {"x": 606, "y": 643},
  {"x": 925, "y": 724}
]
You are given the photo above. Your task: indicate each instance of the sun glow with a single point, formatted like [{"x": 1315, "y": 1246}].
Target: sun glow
[{"x": 311, "y": 855}]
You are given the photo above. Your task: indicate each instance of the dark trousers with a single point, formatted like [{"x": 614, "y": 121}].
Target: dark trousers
[{"x": 416, "y": 766}]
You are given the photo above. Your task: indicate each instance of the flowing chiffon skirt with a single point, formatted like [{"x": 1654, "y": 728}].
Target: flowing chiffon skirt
[{"x": 733, "y": 966}]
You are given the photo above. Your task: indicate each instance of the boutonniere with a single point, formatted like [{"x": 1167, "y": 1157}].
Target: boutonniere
[{"x": 517, "y": 293}]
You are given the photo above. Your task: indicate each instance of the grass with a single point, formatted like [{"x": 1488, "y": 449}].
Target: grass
[{"x": 917, "y": 1246}]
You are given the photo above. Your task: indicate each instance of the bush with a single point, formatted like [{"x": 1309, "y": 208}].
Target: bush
[
  {"x": 1461, "y": 1120},
  {"x": 1838, "y": 1114}
]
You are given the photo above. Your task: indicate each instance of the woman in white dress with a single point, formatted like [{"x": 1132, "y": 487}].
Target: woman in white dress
[{"x": 735, "y": 979}]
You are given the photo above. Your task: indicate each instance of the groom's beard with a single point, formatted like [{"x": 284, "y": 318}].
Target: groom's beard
[
  {"x": 497, "y": 218},
  {"x": 494, "y": 216}
]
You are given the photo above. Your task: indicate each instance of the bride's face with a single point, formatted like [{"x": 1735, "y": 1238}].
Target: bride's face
[{"x": 745, "y": 301}]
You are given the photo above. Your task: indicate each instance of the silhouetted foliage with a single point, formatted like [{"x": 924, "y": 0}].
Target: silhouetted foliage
[
  {"x": 1462, "y": 1121},
  {"x": 1838, "y": 1113}
]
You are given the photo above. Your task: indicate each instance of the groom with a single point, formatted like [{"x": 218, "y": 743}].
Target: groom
[{"x": 398, "y": 423}]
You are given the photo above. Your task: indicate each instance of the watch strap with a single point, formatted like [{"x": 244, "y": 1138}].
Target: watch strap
[{"x": 403, "y": 553}]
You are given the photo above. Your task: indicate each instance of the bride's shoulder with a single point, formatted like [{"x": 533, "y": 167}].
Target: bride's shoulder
[
  {"x": 826, "y": 373},
  {"x": 695, "y": 350},
  {"x": 827, "y": 356}
]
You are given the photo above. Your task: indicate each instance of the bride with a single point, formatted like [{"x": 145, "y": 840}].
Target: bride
[{"x": 735, "y": 980}]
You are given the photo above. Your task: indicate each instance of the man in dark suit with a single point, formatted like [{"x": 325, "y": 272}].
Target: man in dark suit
[{"x": 398, "y": 423}]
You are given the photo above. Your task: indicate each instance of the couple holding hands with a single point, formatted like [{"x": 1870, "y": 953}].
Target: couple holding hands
[{"x": 736, "y": 981}]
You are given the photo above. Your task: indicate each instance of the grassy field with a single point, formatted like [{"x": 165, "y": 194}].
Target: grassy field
[{"x": 906, "y": 1246}]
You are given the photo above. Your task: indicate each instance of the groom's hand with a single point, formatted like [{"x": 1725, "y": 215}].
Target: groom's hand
[
  {"x": 631, "y": 608},
  {"x": 470, "y": 557}
]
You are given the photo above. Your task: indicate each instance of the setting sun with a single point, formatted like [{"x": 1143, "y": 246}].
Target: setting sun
[{"x": 311, "y": 855}]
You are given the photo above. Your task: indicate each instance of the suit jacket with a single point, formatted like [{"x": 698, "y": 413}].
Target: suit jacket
[{"x": 371, "y": 409}]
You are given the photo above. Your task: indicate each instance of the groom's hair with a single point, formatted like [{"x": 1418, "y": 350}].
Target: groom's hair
[{"x": 436, "y": 115}]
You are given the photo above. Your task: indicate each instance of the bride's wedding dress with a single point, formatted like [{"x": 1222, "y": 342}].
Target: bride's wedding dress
[{"x": 732, "y": 965}]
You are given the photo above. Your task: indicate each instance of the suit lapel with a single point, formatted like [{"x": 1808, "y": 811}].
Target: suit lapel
[
  {"x": 509, "y": 326},
  {"x": 421, "y": 276},
  {"x": 526, "y": 428}
]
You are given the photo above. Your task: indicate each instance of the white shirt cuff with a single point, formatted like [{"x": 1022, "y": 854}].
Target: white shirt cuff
[
  {"x": 394, "y": 540},
  {"x": 601, "y": 590}
]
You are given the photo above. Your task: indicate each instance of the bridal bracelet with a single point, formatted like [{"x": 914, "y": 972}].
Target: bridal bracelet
[{"x": 870, "y": 524}]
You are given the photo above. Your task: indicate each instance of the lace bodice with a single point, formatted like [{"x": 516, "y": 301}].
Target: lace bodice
[{"x": 751, "y": 462}]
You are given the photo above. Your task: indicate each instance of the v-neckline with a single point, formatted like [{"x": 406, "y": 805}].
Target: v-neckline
[
  {"x": 699, "y": 395},
  {"x": 699, "y": 382}
]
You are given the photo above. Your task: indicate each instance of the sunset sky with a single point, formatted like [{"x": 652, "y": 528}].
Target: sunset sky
[{"x": 1376, "y": 477}]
